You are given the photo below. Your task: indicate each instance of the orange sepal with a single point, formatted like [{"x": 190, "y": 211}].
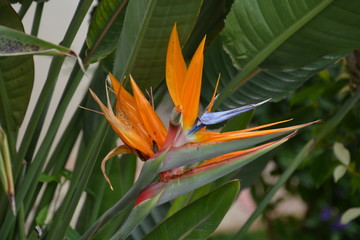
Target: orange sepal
[
  {"x": 152, "y": 123},
  {"x": 175, "y": 68},
  {"x": 190, "y": 95},
  {"x": 124, "y": 129},
  {"x": 115, "y": 83},
  {"x": 229, "y": 156},
  {"x": 245, "y": 133}
]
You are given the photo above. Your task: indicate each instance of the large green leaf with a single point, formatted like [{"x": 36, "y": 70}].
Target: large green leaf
[
  {"x": 105, "y": 27},
  {"x": 16, "y": 76},
  {"x": 15, "y": 43},
  {"x": 288, "y": 34},
  {"x": 264, "y": 85},
  {"x": 199, "y": 219},
  {"x": 141, "y": 50},
  {"x": 209, "y": 23}
]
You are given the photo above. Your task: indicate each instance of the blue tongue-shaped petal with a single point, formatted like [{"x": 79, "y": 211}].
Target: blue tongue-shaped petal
[{"x": 210, "y": 118}]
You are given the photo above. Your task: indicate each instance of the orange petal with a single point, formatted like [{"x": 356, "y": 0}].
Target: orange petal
[
  {"x": 122, "y": 96},
  {"x": 126, "y": 109},
  {"x": 124, "y": 130},
  {"x": 229, "y": 156},
  {"x": 115, "y": 83},
  {"x": 190, "y": 95},
  {"x": 123, "y": 149},
  {"x": 175, "y": 68},
  {"x": 246, "y": 133},
  {"x": 152, "y": 123}
]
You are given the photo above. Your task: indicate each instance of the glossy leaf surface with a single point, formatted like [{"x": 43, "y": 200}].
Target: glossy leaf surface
[{"x": 199, "y": 219}]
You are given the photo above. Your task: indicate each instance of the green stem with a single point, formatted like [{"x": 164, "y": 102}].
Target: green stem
[
  {"x": 21, "y": 223},
  {"x": 35, "y": 168},
  {"x": 25, "y": 5},
  {"x": 41, "y": 155},
  {"x": 58, "y": 160},
  {"x": 149, "y": 171},
  {"x": 53, "y": 74},
  {"x": 37, "y": 18},
  {"x": 111, "y": 213},
  {"x": 78, "y": 183},
  {"x": 304, "y": 153}
]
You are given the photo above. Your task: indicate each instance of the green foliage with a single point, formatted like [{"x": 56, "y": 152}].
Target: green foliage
[
  {"x": 142, "y": 47},
  {"x": 313, "y": 182},
  {"x": 16, "y": 76},
  {"x": 105, "y": 28},
  {"x": 201, "y": 217}
]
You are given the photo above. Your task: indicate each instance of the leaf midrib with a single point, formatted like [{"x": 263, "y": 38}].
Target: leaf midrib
[
  {"x": 268, "y": 49},
  {"x": 136, "y": 47}
]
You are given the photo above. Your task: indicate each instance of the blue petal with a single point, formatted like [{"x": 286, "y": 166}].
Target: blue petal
[{"x": 209, "y": 118}]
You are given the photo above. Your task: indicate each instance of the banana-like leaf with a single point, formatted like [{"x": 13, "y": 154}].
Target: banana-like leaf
[
  {"x": 201, "y": 176},
  {"x": 264, "y": 85},
  {"x": 199, "y": 219},
  {"x": 290, "y": 33},
  {"x": 16, "y": 76},
  {"x": 194, "y": 153},
  {"x": 105, "y": 28},
  {"x": 209, "y": 23},
  {"x": 287, "y": 34},
  {"x": 16, "y": 43},
  {"x": 141, "y": 50}
]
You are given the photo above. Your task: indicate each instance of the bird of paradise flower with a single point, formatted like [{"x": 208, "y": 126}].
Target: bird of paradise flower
[
  {"x": 144, "y": 134},
  {"x": 186, "y": 141}
]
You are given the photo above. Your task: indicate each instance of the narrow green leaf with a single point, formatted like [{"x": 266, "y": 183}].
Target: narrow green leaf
[
  {"x": 16, "y": 76},
  {"x": 200, "y": 218},
  {"x": 6, "y": 163},
  {"x": 15, "y": 43},
  {"x": 136, "y": 216},
  {"x": 149, "y": 171},
  {"x": 141, "y": 50},
  {"x": 105, "y": 28},
  {"x": 71, "y": 234}
]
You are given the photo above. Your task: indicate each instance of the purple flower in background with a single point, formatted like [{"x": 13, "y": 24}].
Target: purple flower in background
[
  {"x": 336, "y": 226},
  {"x": 325, "y": 213}
]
